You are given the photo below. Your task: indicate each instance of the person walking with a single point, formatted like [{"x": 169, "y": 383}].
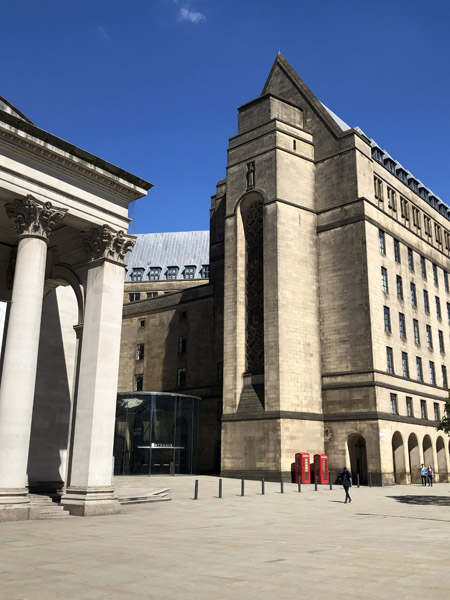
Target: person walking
[
  {"x": 424, "y": 474},
  {"x": 430, "y": 475},
  {"x": 346, "y": 478}
]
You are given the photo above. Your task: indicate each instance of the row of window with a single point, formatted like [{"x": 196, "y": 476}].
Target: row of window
[
  {"x": 413, "y": 291},
  {"x": 154, "y": 273},
  {"x": 423, "y": 263},
  {"x": 402, "y": 329},
  {"x": 135, "y": 296},
  {"x": 410, "y": 408},
  {"x": 429, "y": 226},
  {"x": 181, "y": 378},
  {"x": 419, "y": 370}
]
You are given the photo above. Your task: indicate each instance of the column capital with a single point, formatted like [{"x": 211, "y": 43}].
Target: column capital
[
  {"x": 104, "y": 243},
  {"x": 34, "y": 218}
]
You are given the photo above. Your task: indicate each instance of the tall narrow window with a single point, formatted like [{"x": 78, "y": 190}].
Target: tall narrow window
[
  {"x": 448, "y": 312},
  {"x": 427, "y": 225},
  {"x": 410, "y": 259},
  {"x": 435, "y": 275},
  {"x": 140, "y": 352},
  {"x": 446, "y": 281},
  {"x": 419, "y": 368},
  {"x": 378, "y": 188},
  {"x": 384, "y": 280},
  {"x": 389, "y": 360},
  {"x": 138, "y": 382},
  {"x": 392, "y": 201},
  {"x": 413, "y": 295},
  {"x": 438, "y": 308},
  {"x": 394, "y": 406},
  {"x": 423, "y": 409},
  {"x": 429, "y": 337},
  {"x": 441, "y": 341},
  {"x": 404, "y": 208},
  {"x": 405, "y": 366},
  {"x": 426, "y": 302},
  {"x": 387, "y": 320},
  {"x": 438, "y": 234},
  {"x": 254, "y": 282},
  {"x": 397, "y": 250},
  {"x": 416, "y": 217},
  {"x": 181, "y": 378},
  {"x": 402, "y": 324},
  {"x": 409, "y": 406},
  {"x": 399, "y": 287},
  {"x": 382, "y": 240},
  {"x": 444, "y": 377},
  {"x": 437, "y": 416},
  {"x": 416, "y": 331},
  {"x": 423, "y": 265},
  {"x": 182, "y": 345},
  {"x": 432, "y": 373}
]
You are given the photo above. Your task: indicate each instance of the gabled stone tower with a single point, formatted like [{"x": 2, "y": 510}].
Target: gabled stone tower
[{"x": 285, "y": 166}]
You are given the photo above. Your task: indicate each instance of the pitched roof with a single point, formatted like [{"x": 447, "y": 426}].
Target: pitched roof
[{"x": 179, "y": 249}]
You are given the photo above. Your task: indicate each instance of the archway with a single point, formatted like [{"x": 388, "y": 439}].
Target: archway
[
  {"x": 441, "y": 460},
  {"x": 414, "y": 458},
  {"x": 428, "y": 457},
  {"x": 398, "y": 458},
  {"x": 358, "y": 457}
]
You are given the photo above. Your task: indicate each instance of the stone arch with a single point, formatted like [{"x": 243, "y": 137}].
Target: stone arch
[
  {"x": 357, "y": 452},
  {"x": 414, "y": 458},
  {"x": 398, "y": 458},
  {"x": 428, "y": 455},
  {"x": 441, "y": 459}
]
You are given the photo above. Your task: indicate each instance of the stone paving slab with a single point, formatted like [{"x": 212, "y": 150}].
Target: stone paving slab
[{"x": 389, "y": 542}]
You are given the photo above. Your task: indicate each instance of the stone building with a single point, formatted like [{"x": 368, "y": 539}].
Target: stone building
[{"x": 63, "y": 242}]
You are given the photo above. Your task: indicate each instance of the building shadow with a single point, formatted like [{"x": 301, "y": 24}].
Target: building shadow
[{"x": 423, "y": 500}]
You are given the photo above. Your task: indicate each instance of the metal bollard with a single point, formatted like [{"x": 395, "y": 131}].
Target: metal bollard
[
  {"x": 315, "y": 483},
  {"x": 331, "y": 485},
  {"x": 370, "y": 479},
  {"x": 263, "y": 491},
  {"x": 196, "y": 490},
  {"x": 299, "y": 483},
  {"x": 282, "y": 485},
  {"x": 242, "y": 487},
  {"x": 357, "y": 479},
  {"x": 220, "y": 488}
]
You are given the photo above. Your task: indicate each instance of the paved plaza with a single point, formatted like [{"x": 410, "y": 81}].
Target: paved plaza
[{"x": 391, "y": 542}]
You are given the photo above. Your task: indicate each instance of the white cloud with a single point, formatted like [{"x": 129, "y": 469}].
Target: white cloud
[{"x": 189, "y": 15}]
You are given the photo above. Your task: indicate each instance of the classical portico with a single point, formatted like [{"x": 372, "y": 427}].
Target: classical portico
[{"x": 63, "y": 244}]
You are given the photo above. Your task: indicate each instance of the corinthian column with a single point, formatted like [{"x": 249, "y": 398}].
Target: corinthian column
[
  {"x": 34, "y": 222},
  {"x": 89, "y": 488}
]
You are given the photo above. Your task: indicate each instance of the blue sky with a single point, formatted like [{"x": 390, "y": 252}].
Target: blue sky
[{"x": 153, "y": 85}]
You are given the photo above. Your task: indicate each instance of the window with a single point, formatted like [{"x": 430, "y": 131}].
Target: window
[
  {"x": 416, "y": 331},
  {"x": 401, "y": 318},
  {"x": 152, "y": 294},
  {"x": 448, "y": 312},
  {"x": 181, "y": 378},
  {"x": 387, "y": 320},
  {"x": 182, "y": 345},
  {"x": 437, "y": 416},
  {"x": 189, "y": 272},
  {"x": 423, "y": 409},
  {"x": 399, "y": 288},
  {"x": 382, "y": 241},
  {"x": 138, "y": 382},
  {"x": 137, "y": 274},
  {"x": 183, "y": 315},
  {"x": 392, "y": 201},
  {"x": 429, "y": 337},
  {"x": 435, "y": 275},
  {"x": 423, "y": 265},
  {"x": 397, "y": 250},
  {"x": 389, "y": 360},
  {"x": 142, "y": 323},
  {"x": 441, "y": 341},
  {"x": 446, "y": 281},
  {"x": 140, "y": 352},
  {"x": 219, "y": 372},
  {"x": 134, "y": 297},
  {"x": 413, "y": 295},
  {"x": 419, "y": 368},
  {"x": 444, "y": 377},
  {"x": 394, "y": 407},
  {"x": 154, "y": 273},
  {"x": 294, "y": 145},
  {"x": 405, "y": 366},
  {"x": 438, "y": 308},
  {"x": 404, "y": 208},
  {"x": 205, "y": 271},
  {"x": 171, "y": 273},
  {"x": 409, "y": 406},
  {"x": 410, "y": 259},
  {"x": 447, "y": 240},
  {"x": 432, "y": 373},
  {"x": 437, "y": 234},
  {"x": 378, "y": 188},
  {"x": 416, "y": 217},
  {"x": 427, "y": 225},
  {"x": 426, "y": 302},
  {"x": 384, "y": 280}
]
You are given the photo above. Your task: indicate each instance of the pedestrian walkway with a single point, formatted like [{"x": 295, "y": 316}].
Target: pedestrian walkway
[{"x": 389, "y": 542}]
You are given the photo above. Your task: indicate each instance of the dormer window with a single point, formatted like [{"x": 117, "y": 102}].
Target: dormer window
[
  {"x": 377, "y": 154},
  {"x": 154, "y": 273},
  {"x": 137, "y": 274},
  {"x": 205, "y": 271},
  {"x": 390, "y": 165},
  {"x": 189, "y": 272},
  {"x": 171, "y": 273},
  {"x": 402, "y": 175},
  {"x": 413, "y": 184},
  {"x": 423, "y": 193}
]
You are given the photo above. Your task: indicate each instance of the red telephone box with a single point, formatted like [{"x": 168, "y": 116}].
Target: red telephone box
[
  {"x": 321, "y": 468},
  {"x": 302, "y": 467}
]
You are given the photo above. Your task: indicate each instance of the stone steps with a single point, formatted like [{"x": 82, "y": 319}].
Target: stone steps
[
  {"x": 136, "y": 498},
  {"x": 46, "y": 507}
]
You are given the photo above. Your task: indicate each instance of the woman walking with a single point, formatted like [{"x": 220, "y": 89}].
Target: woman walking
[
  {"x": 346, "y": 478},
  {"x": 430, "y": 476}
]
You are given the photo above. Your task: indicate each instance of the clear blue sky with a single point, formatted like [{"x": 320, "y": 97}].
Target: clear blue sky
[{"x": 153, "y": 85}]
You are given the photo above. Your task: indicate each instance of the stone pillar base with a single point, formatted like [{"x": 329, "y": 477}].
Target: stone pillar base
[
  {"x": 14, "y": 504},
  {"x": 91, "y": 501}
]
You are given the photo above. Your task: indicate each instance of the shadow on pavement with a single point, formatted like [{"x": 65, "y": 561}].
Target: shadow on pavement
[{"x": 423, "y": 500}]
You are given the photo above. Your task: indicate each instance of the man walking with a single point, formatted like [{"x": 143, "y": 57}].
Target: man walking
[
  {"x": 346, "y": 478},
  {"x": 424, "y": 474}
]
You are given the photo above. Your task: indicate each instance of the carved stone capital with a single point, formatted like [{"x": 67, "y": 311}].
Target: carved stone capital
[
  {"x": 106, "y": 243},
  {"x": 34, "y": 218}
]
